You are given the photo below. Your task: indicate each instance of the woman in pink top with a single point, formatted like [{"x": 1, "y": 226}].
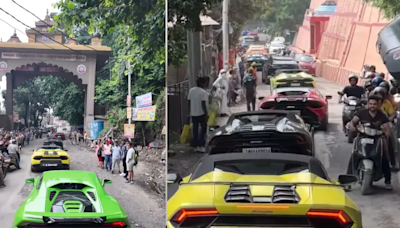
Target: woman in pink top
[{"x": 107, "y": 156}]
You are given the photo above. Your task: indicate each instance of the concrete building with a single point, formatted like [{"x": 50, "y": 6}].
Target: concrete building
[{"x": 48, "y": 52}]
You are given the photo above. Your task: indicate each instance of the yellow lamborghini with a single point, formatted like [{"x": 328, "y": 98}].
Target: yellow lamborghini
[
  {"x": 49, "y": 158},
  {"x": 260, "y": 190},
  {"x": 291, "y": 78}
]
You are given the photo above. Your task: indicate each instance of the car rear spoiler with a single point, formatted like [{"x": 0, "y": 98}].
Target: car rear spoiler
[{"x": 291, "y": 99}]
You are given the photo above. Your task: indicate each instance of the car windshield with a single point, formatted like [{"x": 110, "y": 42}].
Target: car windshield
[
  {"x": 246, "y": 119},
  {"x": 261, "y": 167},
  {"x": 280, "y": 45},
  {"x": 304, "y": 58}
]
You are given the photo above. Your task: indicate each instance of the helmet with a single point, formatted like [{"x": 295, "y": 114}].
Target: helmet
[
  {"x": 380, "y": 91},
  {"x": 385, "y": 85},
  {"x": 353, "y": 76},
  {"x": 377, "y": 81}
]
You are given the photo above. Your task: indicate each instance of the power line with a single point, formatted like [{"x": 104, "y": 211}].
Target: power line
[
  {"x": 45, "y": 21},
  {"x": 36, "y": 30},
  {"x": 24, "y": 33}
]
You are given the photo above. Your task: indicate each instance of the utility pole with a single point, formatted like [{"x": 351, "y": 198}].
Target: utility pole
[
  {"x": 129, "y": 98},
  {"x": 225, "y": 33}
]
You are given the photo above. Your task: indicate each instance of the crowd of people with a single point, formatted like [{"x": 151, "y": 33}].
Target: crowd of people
[{"x": 112, "y": 153}]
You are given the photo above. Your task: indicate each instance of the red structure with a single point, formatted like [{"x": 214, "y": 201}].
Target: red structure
[{"x": 342, "y": 42}]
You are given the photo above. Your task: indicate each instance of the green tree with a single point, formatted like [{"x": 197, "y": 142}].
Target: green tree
[
  {"x": 284, "y": 14},
  {"x": 390, "y": 8},
  {"x": 36, "y": 97},
  {"x": 136, "y": 32}
]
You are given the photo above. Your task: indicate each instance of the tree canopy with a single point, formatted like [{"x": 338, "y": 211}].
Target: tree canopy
[
  {"x": 284, "y": 14},
  {"x": 38, "y": 96},
  {"x": 390, "y": 8}
]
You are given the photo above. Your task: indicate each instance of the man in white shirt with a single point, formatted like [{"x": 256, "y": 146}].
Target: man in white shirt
[
  {"x": 130, "y": 161},
  {"x": 197, "y": 103},
  {"x": 13, "y": 150}
]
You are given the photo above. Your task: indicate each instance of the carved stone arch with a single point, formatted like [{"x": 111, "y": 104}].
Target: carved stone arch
[{"x": 21, "y": 74}]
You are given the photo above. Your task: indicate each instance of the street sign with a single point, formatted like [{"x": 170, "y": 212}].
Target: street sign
[
  {"x": 128, "y": 101},
  {"x": 129, "y": 131},
  {"x": 129, "y": 112}
]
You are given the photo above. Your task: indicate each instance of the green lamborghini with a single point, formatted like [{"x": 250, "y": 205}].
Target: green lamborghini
[{"x": 70, "y": 199}]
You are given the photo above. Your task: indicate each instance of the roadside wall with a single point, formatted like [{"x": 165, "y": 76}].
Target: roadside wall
[{"x": 349, "y": 41}]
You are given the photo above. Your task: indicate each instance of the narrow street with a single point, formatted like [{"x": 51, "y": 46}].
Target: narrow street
[
  {"x": 143, "y": 207},
  {"x": 379, "y": 210}
]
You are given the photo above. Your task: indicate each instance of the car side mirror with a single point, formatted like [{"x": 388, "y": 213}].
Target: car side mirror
[
  {"x": 328, "y": 97},
  {"x": 261, "y": 98},
  {"x": 346, "y": 179},
  {"x": 213, "y": 128},
  {"x": 173, "y": 178},
  {"x": 30, "y": 180},
  {"x": 107, "y": 181}
]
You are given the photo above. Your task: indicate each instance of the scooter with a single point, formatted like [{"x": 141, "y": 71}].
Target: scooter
[
  {"x": 11, "y": 161},
  {"x": 351, "y": 106},
  {"x": 367, "y": 156}
]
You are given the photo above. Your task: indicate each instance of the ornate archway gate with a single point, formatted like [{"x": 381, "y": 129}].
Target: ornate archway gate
[{"x": 41, "y": 56}]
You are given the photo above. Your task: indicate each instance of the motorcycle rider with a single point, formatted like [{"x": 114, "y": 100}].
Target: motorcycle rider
[
  {"x": 353, "y": 90},
  {"x": 14, "y": 149},
  {"x": 378, "y": 120}
]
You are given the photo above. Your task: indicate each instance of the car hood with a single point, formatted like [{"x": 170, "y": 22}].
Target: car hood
[
  {"x": 40, "y": 205},
  {"x": 311, "y": 190}
]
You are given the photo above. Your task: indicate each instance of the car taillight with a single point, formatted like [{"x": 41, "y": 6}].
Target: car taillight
[
  {"x": 195, "y": 217},
  {"x": 329, "y": 219},
  {"x": 64, "y": 158},
  {"x": 37, "y": 158},
  {"x": 115, "y": 224}
]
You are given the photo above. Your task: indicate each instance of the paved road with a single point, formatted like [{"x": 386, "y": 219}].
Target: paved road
[
  {"x": 142, "y": 208},
  {"x": 379, "y": 210}
]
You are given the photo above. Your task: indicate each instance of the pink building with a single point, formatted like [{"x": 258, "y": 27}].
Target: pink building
[{"x": 343, "y": 41}]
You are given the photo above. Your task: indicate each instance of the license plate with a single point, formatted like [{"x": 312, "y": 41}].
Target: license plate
[
  {"x": 351, "y": 107},
  {"x": 257, "y": 150},
  {"x": 367, "y": 141},
  {"x": 295, "y": 84},
  {"x": 49, "y": 165}
]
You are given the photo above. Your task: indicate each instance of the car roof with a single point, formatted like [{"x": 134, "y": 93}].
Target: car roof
[
  {"x": 52, "y": 178},
  {"x": 49, "y": 147},
  {"x": 208, "y": 163},
  {"x": 285, "y": 62}
]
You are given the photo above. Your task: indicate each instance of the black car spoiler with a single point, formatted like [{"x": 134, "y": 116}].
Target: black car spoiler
[
  {"x": 291, "y": 99},
  {"x": 81, "y": 221}
]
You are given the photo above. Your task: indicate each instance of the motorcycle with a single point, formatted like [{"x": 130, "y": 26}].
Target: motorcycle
[
  {"x": 367, "y": 156},
  {"x": 351, "y": 106},
  {"x": 11, "y": 161}
]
